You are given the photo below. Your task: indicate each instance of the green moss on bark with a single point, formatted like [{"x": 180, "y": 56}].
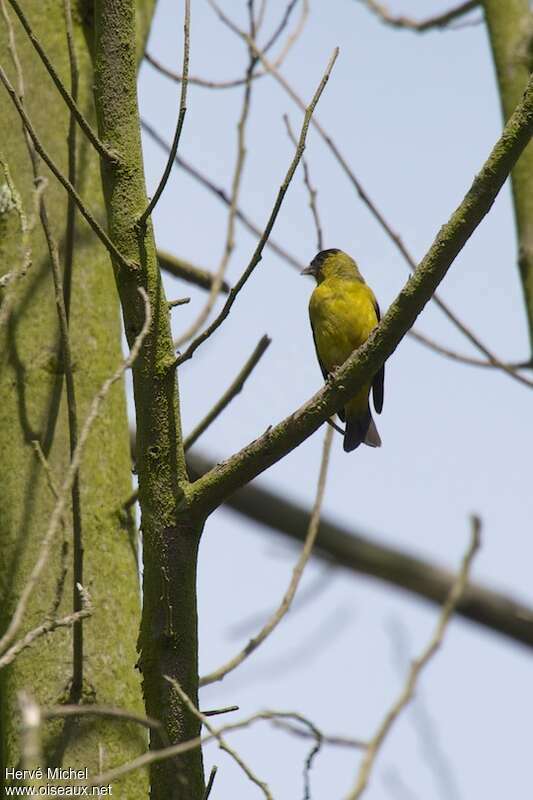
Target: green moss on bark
[{"x": 33, "y": 406}]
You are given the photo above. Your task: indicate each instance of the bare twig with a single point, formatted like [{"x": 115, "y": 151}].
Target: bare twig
[
  {"x": 72, "y": 166},
  {"x": 303, "y": 733},
  {"x": 417, "y": 666},
  {"x": 69, "y": 100},
  {"x": 182, "y": 267},
  {"x": 229, "y": 394},
  {"x": 181, "y": 117},
  {"x": 86, "y": 213},
  {"x": 364, "y": 196},
  {"x": 66, "y": 486},
  {"x": 221, "y": 741},
  {"x": 154, "y": 756},
  {"x": 238, "y": 170},
  {"x": 273, "y": 622},
  {"x": 257, "y": 255},
  {"x": 310, "y": 189},
  {"x": 219, "y": 192},
  {"x": 48, "y": 626},
  {"x": 215, "y": 712},
  {"x": 210, "y": 782},
  {"x": 462, "y": 358},
  {"x": 233, "y": 83},
  {"x": 421, "y": 26}
]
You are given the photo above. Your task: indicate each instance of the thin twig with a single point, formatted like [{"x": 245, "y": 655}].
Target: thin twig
[
  {"x": 66, "y": 486},
  {"x": 219, "y": 192},
  {"x": 376, "y": 213},
  {"x": 310, "y": 189},
  {"x": 421, "y": 26},
  {"x": 236, "y": 182},
  {"x": 210, "y": 782},
  {"x": 69, "y": 100},
  {"x": 233, "y": 83},
  {"x": 257, "y": 255},
  {"x": 102, "y": 235},
  {"x": 181, "y": 117},
  {"x": 155, "y": 756},
  {"x": 215, "y": 712},
  {"x": 335, "y": 741},
  {"x": 273, "y": 622},
  {"x": 418, "y": 665},
  {"x": 231, "y": 392},
  {"x": 72, "y": 166},
  {"x": 48, "y": 626},
  {"x": 462, "y": 358},
  {"x": 282, "y": 253},
  {"x": 185, "y": 699}
]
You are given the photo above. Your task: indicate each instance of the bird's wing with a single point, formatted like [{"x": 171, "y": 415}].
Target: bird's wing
[
  {"x": 379, "y": 378},
  {"x": 325, "y": 373}
]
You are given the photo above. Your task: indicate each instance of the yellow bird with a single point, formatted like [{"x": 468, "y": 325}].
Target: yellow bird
[{"x": 343, "y": 312}]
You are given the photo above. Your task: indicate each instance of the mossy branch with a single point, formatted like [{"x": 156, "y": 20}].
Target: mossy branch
[{"x": 210, "y": 490}]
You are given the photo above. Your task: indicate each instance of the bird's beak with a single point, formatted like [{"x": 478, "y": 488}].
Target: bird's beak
[{"x": 310, "y": 270}]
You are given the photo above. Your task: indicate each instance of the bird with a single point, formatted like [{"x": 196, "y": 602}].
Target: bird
[{"x": 343, "y": 312}]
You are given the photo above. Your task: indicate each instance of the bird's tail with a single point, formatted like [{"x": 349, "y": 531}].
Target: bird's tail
[{"x": 360, "y": 428}]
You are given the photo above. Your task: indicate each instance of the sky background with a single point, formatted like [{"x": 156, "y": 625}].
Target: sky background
[{"x": 415, "y": 116}]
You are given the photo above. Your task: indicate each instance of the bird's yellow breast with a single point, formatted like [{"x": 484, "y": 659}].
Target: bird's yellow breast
[{"x": 343, "y": 313}]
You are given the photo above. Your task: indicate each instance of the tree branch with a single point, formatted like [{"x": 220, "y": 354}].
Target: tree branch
[
  {"x": 365, "y": 197},
  {"x": 208, "y": 492},
  {"x": 181, "y": 118},
  {"x": 418, "y": 665},
  {"x": 69, "y": 100},
  {"x": 351, "y": 550},
  {"x": 421, "y": 26}
]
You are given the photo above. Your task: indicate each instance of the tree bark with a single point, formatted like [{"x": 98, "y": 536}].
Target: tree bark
[
  {"x": 168, "y": 637},
  {"x": 33, "y": 407}
]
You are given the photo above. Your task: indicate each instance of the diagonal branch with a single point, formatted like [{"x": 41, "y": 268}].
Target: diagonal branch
[
  {"x": 97, "y": 228},
  {"x": 208, "y": 492},
  {"x": 219, "y": 192},
  {"x": 65, "y": 94},
  {"x": 181, "y": 118},
  {"x": 365, "y": 197},
  {"x": 258, "y": 253}
]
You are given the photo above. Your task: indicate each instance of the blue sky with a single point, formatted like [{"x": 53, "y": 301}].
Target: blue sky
[{"x": 415, "y": 117}]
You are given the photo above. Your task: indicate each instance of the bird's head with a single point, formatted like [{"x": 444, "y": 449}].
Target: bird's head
[{"x": 332, "y": 263}]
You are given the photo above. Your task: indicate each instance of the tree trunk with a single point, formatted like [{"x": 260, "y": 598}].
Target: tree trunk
[{"x": 33, "y": 407}]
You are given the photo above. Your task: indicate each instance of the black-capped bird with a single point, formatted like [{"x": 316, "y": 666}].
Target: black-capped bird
[{"x": 343, "y": 312}]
